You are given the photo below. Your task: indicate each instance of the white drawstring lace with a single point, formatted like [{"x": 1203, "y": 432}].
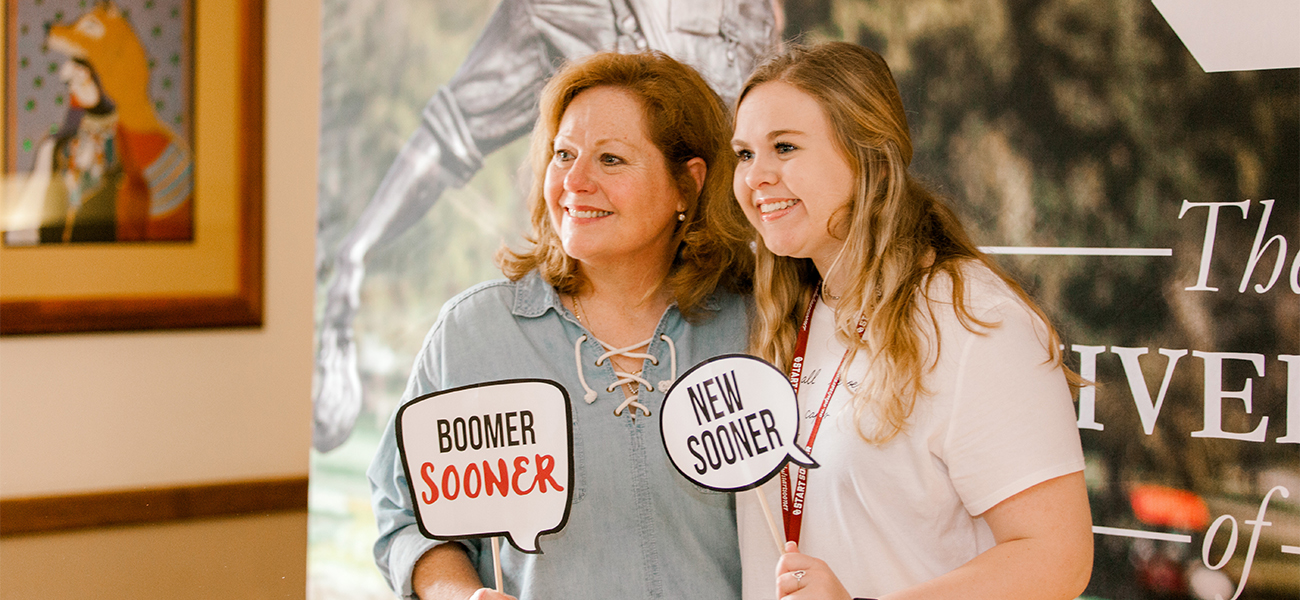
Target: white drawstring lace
[
  {"x": 672, "y": 361},
  {"x": 631, "y": 402},
  {"x": 590, "y": 396}
]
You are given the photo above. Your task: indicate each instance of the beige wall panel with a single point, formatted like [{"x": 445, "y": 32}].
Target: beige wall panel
[{"x": 247, "y": 558}]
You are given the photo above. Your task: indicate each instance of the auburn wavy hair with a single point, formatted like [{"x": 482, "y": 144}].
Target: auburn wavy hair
[
  {"x": 899, "y": 236},
  {"x": 685, "y": 119}
]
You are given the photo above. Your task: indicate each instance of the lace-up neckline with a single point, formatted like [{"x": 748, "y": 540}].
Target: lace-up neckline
[{"x": 631, "y": 402}]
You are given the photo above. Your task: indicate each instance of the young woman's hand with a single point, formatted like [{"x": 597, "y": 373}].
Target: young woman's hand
[
  {"x": 802, "y": 577},
  {"x": 487, "y": 594}
]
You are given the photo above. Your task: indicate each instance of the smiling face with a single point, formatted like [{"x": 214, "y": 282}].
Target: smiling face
[
  {"x": 611, "y": 198},
  {"x": 791, "y": 178}
]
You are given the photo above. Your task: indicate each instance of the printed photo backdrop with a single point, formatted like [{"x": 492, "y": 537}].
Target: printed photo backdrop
[{"x": 1152, "y": 208}]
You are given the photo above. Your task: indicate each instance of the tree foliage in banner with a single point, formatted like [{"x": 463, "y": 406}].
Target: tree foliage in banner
[{"x": 1070, "y": 123}]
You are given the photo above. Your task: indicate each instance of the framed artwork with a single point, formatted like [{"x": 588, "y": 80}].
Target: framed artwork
[{"x": 132, "y": 194}]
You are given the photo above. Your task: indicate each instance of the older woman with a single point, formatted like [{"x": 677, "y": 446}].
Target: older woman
[
  {"x": 635, "y": 262},
  {"x": 932, "y": 388}
]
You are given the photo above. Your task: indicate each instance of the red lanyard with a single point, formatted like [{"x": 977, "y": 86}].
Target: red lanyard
[{"x": 792, "y": 503}]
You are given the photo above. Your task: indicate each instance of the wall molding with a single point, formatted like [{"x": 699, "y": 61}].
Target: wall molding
[{"x": 42, "y": 514}]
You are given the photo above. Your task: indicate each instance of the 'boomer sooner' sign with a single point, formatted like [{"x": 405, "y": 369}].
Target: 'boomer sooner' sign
[
  {"x": 489, "y": 459},
  {"x": 729, "y": 424}
]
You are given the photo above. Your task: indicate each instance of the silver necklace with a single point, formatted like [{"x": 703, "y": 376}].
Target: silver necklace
[{"x": 632, "y": 386}]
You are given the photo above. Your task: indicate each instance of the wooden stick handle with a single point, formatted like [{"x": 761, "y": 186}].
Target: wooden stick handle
[
  {"x": 771, "y": 524},
  {"x": 496, "y": 563}
]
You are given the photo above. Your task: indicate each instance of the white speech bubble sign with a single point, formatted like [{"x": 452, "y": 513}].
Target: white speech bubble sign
[
  {"x": 490, "y": 459},
  {"x": 730, "y": 423}
]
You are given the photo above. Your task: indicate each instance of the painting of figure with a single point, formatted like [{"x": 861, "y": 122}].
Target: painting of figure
[{"x": 99, "y": 96}]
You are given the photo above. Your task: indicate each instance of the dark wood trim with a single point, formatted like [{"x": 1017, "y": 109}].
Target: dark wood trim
[
  {"x": 42, "y": 514},
  {"x": 252, "y": 220},
  {"x": 243, "y": 308}
]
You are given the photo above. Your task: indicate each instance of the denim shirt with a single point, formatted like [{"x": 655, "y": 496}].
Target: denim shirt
[{"x": 636, "y": 528}]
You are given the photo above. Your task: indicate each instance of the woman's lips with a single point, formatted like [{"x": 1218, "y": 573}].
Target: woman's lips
[
  {"x": 770, "y": 206},
  {"x": 584, "y": 212},
  {"x": 774, "y": 209}
]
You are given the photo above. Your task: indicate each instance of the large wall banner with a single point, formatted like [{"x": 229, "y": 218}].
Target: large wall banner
[{"x": 1135, "y": 164}]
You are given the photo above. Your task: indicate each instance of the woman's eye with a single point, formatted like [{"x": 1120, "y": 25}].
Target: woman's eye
[
  {"x": 562, "y": 155},
  {"x": 610, "y": 159},
  {"x": 784, "y": 147},
  {"x": 744, "y": 155}
]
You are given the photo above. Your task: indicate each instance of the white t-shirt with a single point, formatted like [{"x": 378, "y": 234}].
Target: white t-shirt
[{"x": 997, "y": 421}]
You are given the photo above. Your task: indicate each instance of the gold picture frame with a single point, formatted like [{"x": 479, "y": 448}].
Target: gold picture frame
[{"x": 215, "y": 280}]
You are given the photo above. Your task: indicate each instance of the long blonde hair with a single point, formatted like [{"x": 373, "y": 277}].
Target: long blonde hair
[
  {"x": 900, "y": 235},
  {"x": 685, "y": 119}
]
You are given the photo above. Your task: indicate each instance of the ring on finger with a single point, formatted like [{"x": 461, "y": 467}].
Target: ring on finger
[{"x": 798, "y": 575}]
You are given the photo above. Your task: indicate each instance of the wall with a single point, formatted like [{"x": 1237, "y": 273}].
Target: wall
[{"x": 102, "y": 412}]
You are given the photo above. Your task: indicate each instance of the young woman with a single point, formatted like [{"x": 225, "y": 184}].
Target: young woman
[
  {"x": 633, "y": 274},
  {"x": 931, "y": 387}
]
